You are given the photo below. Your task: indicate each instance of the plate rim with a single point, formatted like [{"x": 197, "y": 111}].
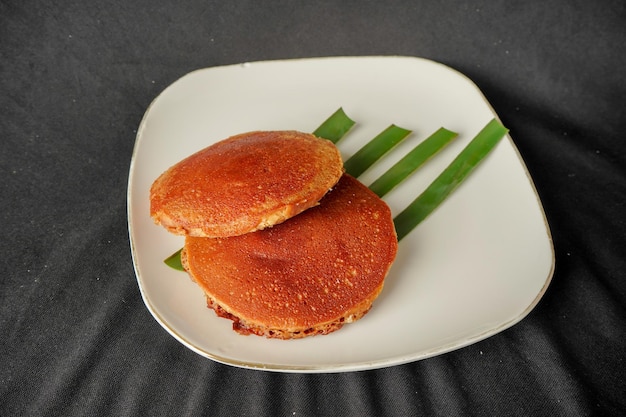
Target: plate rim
[{"x": 352, "y": 366}]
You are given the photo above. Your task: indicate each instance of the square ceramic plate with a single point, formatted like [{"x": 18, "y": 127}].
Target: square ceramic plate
[{"x": 475, "y": 267}]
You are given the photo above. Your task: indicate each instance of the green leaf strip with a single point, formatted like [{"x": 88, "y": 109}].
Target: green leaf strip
[
  {"x": 374, "y": 150},
  {"x": 174, "y": 261},
  {"x": 412, "y": 161},
  {"x": 335, "y": 127},
  {"x": 450, "y": 178}
]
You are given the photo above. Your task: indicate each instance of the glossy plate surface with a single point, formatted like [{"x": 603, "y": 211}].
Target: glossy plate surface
[{"x": 475, "y": 267}]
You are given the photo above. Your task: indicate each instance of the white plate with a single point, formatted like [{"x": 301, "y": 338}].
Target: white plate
[{"x": 475, "y": 267}]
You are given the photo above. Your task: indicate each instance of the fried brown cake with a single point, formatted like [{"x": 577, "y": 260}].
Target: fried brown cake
[
  {"x": 245, "y": 183},
  {"x": 309, "y": 275}
]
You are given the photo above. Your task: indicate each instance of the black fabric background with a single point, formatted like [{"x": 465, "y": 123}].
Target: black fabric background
[{"x": 75, "y": 80}]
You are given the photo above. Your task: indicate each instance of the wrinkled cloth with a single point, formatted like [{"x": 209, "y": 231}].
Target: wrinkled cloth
[{"x": 75, "y": 81}]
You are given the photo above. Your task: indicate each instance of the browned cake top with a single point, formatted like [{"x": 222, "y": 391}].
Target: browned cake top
[
  {"x": 245, "y": 183},
  {"x": 305, "y": 272}
]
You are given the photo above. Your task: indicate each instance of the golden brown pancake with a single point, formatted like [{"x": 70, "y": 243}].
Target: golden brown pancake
[
  {"x": 309, "y": 275},
  {"x": 245, "y": 183}
]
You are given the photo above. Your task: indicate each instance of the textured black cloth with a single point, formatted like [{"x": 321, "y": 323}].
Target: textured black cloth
[{"x": 75, "y": 80}]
